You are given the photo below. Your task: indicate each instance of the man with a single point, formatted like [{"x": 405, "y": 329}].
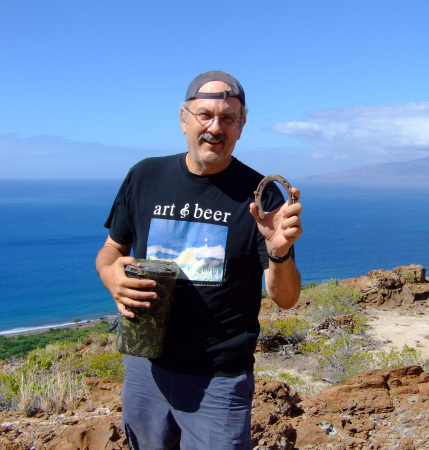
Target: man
[{"x": 194, "y": 208}]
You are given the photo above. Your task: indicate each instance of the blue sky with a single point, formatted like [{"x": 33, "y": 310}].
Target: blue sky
[{"x": 88, "y": 88}]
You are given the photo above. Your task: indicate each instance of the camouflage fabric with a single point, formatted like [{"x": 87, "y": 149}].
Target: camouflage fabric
[{"x": 144, "y": 334}]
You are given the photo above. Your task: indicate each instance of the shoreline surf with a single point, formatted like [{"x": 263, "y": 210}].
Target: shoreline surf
[{"x": 40, "y": 329}]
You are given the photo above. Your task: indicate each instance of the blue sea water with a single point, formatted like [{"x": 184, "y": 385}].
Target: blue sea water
[{"x": 51, "y": 231}]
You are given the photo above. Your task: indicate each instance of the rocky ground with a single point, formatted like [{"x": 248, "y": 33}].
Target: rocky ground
[{"x": 380, "y": 409}]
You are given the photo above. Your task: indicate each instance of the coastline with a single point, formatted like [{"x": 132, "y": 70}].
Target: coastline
[
  {"x": 53, "y": 298},
  {"x": 33, "y": 330}
]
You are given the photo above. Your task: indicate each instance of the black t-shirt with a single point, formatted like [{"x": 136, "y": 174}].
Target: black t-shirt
[{"x": 202, "y": 223}]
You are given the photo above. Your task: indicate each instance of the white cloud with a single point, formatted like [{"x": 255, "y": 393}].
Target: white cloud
[
  {"x": 56, "y": 157},
  {"x": 386, "y": 131},
  {"x": 153, "y": 249},
  {"x": 206, "y": 252}
]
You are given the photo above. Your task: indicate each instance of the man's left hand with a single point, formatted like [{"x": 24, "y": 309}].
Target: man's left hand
[{"x": 282, "y": 227}]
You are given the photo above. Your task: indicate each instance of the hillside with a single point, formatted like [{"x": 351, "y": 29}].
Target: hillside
[
  {"x": 382, "y": 409},
  {"x": 410, "y": 171}
]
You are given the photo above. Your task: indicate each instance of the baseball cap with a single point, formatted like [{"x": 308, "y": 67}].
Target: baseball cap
[{"x": 215, "y": 75}]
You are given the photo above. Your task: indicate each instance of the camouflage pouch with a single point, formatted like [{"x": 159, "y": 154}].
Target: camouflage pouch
[{"x": 144, "y": 334}]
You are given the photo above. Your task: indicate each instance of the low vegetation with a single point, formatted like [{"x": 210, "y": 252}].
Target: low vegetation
[
  {"x": 48, "y": 370},
  {"x": 52, "y": 378},
  {"x": 332, "y": 329},
  {"x": 293, "y": 329},
  {"x": 17, "y": 346},
  {"x": 330, "y": 299},
  {"x": 345, "y": 355}
]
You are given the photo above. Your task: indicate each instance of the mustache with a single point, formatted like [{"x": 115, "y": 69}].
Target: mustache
[{"x": 214, "y": 139}]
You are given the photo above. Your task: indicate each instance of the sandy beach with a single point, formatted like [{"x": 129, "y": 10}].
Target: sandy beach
[{"x": 41, "y": 329}]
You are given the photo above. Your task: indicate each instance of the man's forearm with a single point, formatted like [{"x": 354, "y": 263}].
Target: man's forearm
[
  {"x": 283, "y": 282},
  {"x": 108, "y": 254},
  {"x": 106, "y": 257}
]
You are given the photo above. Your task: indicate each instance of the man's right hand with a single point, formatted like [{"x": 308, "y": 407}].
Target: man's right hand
[{"x": 126, "y": 291}]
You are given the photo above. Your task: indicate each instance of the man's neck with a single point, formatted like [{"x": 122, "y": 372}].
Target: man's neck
[{"x": 205, "y": 169}]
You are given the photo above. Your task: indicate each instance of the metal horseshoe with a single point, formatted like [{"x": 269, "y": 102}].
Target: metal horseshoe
[{"x": 263, "y": 184}]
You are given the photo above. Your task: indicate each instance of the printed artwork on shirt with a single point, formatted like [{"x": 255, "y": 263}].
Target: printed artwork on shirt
[{"x": 197, "y": 248}]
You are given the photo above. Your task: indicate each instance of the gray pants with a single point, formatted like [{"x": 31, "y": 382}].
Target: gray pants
[{"x": 162, "y": 409}]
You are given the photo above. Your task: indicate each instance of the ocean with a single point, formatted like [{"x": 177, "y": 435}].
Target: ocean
[{"x": 51, "y": 231}]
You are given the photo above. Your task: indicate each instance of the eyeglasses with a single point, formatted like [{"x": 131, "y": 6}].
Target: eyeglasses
[{"x": 206, "y": 119}]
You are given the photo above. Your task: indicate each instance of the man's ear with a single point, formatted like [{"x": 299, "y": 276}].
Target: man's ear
[
  {"x": 183, "y": 119},
  {"x": 242, "y": 123}
]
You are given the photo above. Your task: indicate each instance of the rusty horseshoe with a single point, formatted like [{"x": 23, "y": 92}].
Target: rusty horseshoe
[{"x": 262, "y": 185}]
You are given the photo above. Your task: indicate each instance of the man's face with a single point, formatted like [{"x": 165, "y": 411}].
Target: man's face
[{"x": 210, "y": 147}]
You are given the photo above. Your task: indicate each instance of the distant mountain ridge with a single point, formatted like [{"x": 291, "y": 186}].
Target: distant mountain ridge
[{"x": 416, "y": 170}]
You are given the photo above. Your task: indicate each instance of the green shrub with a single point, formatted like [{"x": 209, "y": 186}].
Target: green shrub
[
  {"x": 293, "y": 329},
  {"x": 106, "y": 365},
  {"x": 410, "y": 275},
  {"x": 18, "y": 346},
  {"x": 63, "y": 355},
  {"x": 341, "y": 358},
  {"x": 290, "y": 379},
  {"x": 299, "y": 385},
  {"x": 309, "y": 285},
  {"x": 394, "y": 358},
  {"x": 52, "y": 378},
  {"x": 9, "y": 387},
  {"x": 330, "y": 299},
  {"x": 359, "y": 323},
  {"x": 313, "y": 346},
  {"x": 346, "y": 355},
  {"x": 39, "y": 362}
]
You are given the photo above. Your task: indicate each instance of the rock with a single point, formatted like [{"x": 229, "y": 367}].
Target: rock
[
  {"x": 95, "y": 424},
  {"x": 384, "y": 409},
  {"x": 379, "y": 409},
  {"x": 273, "y": 403},
  {"x": 404, "y": 286}
]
